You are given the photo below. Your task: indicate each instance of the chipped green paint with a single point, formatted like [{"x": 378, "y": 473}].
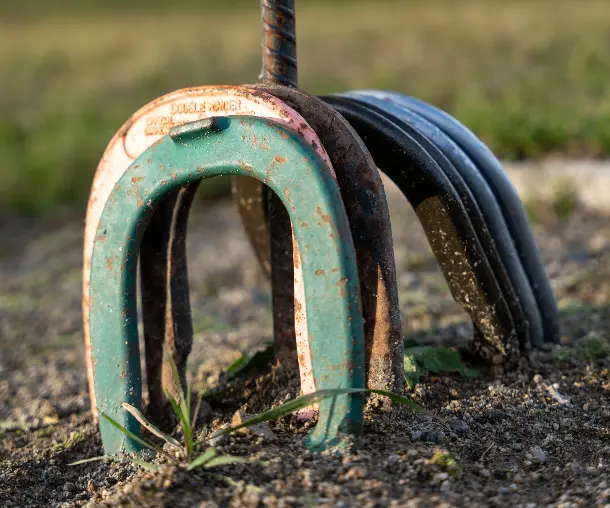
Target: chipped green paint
[{"x": 224, "y": 146}]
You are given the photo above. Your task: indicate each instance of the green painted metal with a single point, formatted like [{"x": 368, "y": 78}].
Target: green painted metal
[{"x": 271, "y": 153}]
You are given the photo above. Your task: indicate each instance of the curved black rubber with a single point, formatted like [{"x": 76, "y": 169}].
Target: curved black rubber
[
  {"x": 411, "y": 161},
  {"x": 486, "y": 217},
  {"x": 508, "y": 200}
]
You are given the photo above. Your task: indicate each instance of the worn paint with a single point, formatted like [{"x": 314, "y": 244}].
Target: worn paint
[
  {"x": 335, "y": 329},
  {"x": 150, "y": 124}
]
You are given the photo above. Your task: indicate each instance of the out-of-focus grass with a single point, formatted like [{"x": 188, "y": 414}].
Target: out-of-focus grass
[{"x": 531, "y": 77}]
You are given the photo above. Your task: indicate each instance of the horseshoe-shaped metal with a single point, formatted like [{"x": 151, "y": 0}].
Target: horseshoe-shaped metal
[
  {"x": 486, "y": 217},
  {"x": 508, "y": 200},
  {"x": 204, "y": 149},
  {"x": 410, "y": 160},
  {"x": 163, "y": 248},
  {"x": 367, "y": 211}
]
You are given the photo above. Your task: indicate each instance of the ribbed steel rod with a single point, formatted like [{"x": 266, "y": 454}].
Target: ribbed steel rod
[
  {"x": 279, "y": 44},
  {"x": 279, "y": 61}
]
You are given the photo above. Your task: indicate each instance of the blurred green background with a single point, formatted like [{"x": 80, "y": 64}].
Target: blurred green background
[{"x": 531, "y": 77}]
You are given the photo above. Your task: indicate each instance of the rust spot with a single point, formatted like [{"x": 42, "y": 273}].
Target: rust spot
[
  {"x": 109, "y": 263},
  {"x": 200, "y": 169},
  {"x": 245, "y": 166},
  {"x": 325, "y": 216},
  {"x": 319, "y": 271},
  {"x": 287, "y": 193},
  {"x": 335, "y": 269},
  {"x": 341, "y": 283},
  {"x": 280, "y": 159},
  {"x": 304, "y": 225},
  {"x": 134, "y": 183},
  {"x": 123, "y": 374},
  {"x": 255, "y": 141}
]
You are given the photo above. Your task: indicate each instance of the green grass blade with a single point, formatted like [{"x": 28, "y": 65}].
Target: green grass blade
[
  {"x": 245, "y": 364},
  {"x": 175, "y": 374},
  {"x": 207, "y": 455},
  {"x": 234, "y": 367},
  {"x": 306, "y": 400},
  {"x": 394, "y": 397},
  {"x": 186, "y": 425},
  {"x": 150, "y": 427},
  {"x": 285, "y": 409},
  {"x": 131, "y": 435},
  {"x": 95, "y": 459},
  {"x": 197, "y": 408},
  {"x": 187, "y": 410},
  {"x": 149, "y": 466},
  {"x": 223, "y": 460}
]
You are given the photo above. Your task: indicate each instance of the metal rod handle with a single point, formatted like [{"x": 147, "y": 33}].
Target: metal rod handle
[{"x": 279, "y": 44}]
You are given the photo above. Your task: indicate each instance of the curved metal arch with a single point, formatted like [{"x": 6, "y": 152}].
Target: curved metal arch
[
  {"x": 162, "y": 256},
  {"x": 367, "y": 211},
  {"x": 304, "y": 183},
  {"x": 486, "y": 217},
  {"x": 404, "y": 156},
  {"x": 508, "y": 200}
]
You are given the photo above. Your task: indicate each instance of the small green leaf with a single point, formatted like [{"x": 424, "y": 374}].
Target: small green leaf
[
  {"x": 207, "y": 455},
  {"x": 419, "y": 361},
  {"x": 445, "y": 460},
  {"x": 246, "y": 364},
  {"x": 150, "y": 427},
  {"x": 411, "y": 370}
]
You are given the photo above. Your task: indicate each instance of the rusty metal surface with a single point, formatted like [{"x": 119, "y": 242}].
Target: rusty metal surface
[
  {"x": 144, "y": 128},
  {"x": 446, "y": 224},
  {"x": 279, "y": 43},
  {"x": 365, "y": 203},
  {"x": 272, "y": 153}
]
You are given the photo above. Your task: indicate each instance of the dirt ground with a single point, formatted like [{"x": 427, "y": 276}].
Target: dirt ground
[{"x": 539, "y": 436}]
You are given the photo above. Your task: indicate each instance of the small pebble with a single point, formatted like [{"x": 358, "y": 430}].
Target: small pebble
[
  {"x": 460, "y": 426},
  {"x": 538, "y": 379},
  {"x": 538, "y": 453}
]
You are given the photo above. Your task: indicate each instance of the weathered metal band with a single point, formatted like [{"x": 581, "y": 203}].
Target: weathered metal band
[
  {"x": 486, "y": 217},
  {"x": 289, "y": 166},
  {"x": 446, "y": 224},
  {"x": 147, "y": 125},
  {"x": 512, "y": 208},
  {"x": 367, "y": 210}
]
